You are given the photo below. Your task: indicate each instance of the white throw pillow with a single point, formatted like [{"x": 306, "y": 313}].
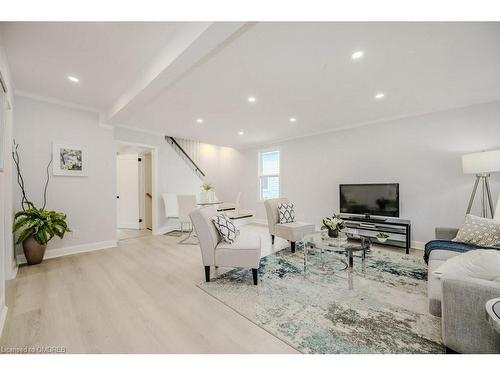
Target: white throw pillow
[
  {"x": 286, "y": 213},
  {"x": 479, "y": 231},
  {"x": 481, "y": 264},
  {"x": 226, "y": 228}
]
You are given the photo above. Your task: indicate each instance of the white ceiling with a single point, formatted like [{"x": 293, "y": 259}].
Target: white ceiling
[
  {"x": 105, "y": 56},
  {"x": 302, "y": 70}
]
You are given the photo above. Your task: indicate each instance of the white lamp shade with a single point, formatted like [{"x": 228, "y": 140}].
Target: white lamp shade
[{"x": 481, "y": 162}]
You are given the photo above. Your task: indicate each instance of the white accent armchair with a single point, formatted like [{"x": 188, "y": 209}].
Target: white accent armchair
[
  {"x": 292, "y": 232},
  {"x": 243, "y": 252}
]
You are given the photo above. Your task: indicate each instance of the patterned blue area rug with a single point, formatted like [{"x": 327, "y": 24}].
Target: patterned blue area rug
[{"x": 381, "y": 307}]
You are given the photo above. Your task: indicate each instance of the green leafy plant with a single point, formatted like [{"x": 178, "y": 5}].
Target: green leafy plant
[
  {"x": 382, "y": 235},
  {"x": 43, "y": 225},
  {"x": 207, "y": 187},
  {"x": 38, "y": 223},
  {"x": 333, "y": 223}
]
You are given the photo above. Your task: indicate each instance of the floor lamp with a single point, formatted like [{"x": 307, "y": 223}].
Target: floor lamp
[{"x": 482, "y": 164}]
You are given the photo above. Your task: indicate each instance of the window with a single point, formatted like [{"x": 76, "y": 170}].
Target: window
[{"x": 269, "y": 174}]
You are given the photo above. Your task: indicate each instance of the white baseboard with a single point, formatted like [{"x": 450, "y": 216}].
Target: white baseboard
[
  {"x": 3, "y": 318},
  {"x": 13, "y": 271},
  {"x": 419, "y": 245},
  {"x": 55, "y": 253}
]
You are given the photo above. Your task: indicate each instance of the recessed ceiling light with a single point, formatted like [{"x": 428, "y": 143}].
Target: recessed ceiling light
[
  {"x": 252, "y": 99},
  {"x": 199, "y": 120},
  {"x": 241, "y": 132},
  {"x": 357, "y": 55},
  {"x": 73, "y": 79},
  {"x": 292, "y": 119},
  {"x": 380, "y": 95}
]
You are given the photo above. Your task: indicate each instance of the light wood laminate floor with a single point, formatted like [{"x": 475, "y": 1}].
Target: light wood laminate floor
[
  {"x": 127, "y": 234},
  {"x": 140, "y": 297}
]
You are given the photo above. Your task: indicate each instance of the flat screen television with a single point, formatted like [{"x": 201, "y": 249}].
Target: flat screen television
[{"x": 370, "y": 199}]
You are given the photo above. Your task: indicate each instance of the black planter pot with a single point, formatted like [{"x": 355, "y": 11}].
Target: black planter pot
[{"x": 333, "y": 233}]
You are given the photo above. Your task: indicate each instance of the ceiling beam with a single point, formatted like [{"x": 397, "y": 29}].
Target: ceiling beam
[{"x": 194, "y": 44}]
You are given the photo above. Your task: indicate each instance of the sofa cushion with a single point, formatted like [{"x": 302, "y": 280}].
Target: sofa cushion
[
  {"x": 479, "y": 264},
  {"x": 286, "y": 213},
  {"x": 225, "y": 227},
  {"x": 479, "y": 231}
]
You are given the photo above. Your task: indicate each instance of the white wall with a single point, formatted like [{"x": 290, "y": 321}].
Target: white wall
[
  {"x": 89, "y": 202},
  {"x": 227, "y": 169},
  {"x": 174, "y": 175},
  {"x": 421, "y": 153},
  {"x": 6, "y": 244}
]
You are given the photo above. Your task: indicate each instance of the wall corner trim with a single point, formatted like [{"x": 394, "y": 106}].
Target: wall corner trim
[
  {"x": 63, "y": 251},
  {"x": 3, "y": 318}
]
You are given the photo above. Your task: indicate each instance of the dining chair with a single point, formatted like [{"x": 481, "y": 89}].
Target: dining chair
[{"x": 186, "y": 204}]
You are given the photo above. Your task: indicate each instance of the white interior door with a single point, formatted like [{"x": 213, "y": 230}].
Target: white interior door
[{"x": 127, "y": 170}]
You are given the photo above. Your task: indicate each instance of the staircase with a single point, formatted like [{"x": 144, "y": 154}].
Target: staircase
[{"x": 189, "y": 151}]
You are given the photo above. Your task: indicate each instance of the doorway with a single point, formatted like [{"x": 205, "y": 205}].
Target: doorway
[{"x": 134, "y": 191}]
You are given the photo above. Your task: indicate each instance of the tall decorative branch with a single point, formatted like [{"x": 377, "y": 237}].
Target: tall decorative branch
[
  {"x": 25, "y": 202},
  {"x": 47, "y": 182}
]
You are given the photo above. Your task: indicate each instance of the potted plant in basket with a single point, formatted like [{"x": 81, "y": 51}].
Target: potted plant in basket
[
  {"x": 35, "y": 227},
  {"x": 333, "y": 224}
]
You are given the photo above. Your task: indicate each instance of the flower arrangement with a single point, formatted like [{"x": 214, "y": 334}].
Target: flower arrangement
[
  {"x": 207, "y": 187},
  {"x": 333, "y": 224}
]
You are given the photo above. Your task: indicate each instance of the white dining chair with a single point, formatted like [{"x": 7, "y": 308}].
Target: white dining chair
[
  {"x": 171, "y": 206},
  {"x": 186, "y": 205}
]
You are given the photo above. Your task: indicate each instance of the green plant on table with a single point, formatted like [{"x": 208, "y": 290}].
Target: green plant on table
[
  {"x": 383, "y": 236},
  {"x": 207, "y": 187}
]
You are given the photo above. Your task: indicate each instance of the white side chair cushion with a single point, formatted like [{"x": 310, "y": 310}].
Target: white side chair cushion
[
  {"x": 226, "y": 228},
  {"x": 286, "y": 213},
  {"x": 245, "y": 252},
  {"x": 295, "y": 231},
  {"x": 244, "y": 242},
  {"x": 479, "y": 231},
  {"x": 479, "y": 264}
]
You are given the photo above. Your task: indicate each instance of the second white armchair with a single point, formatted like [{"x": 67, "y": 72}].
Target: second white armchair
[{"x": 292, "y": 232}]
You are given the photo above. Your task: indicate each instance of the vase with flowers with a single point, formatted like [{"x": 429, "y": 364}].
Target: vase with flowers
[
  {"x": 207, "y": 193},
  {"x": 334, "y": 225}
]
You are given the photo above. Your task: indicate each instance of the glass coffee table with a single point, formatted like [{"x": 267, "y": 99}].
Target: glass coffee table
[{"x": 320, "y": 242}]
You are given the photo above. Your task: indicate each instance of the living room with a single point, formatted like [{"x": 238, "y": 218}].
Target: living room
[{"x": 313, "y": 187}]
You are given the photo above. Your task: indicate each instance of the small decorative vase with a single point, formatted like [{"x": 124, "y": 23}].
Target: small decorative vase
[
  {"x": 33, "y": 251},
  {"x": 204, "y": 196},
  {"x": 381, "y": 239},
  {"x": 211, "y": 196},
  {"x": 333, "y": 233}
]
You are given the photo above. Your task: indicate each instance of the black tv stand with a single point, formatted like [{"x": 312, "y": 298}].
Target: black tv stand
[{"x": 399, "y": 230}]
